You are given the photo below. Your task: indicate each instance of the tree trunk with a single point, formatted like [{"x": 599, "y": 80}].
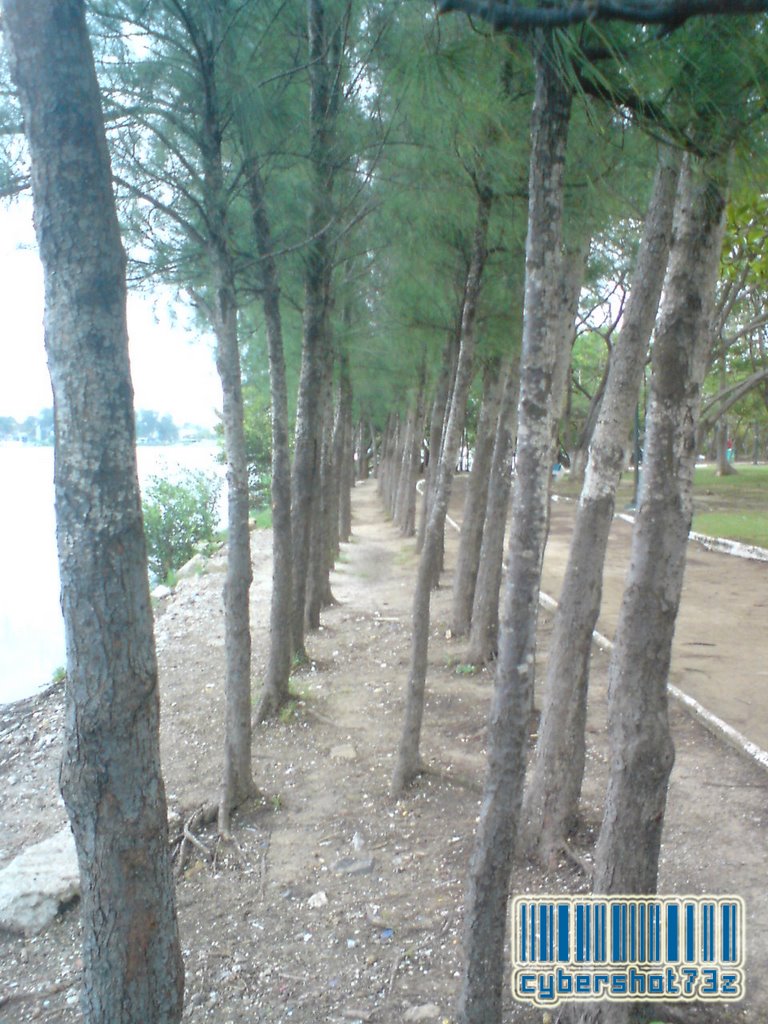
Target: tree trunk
[
  {"x": 580, "y": 453},
  {"x": 237, "y": 784},
  {"x": 437, "y": 418},
  {"x": 406, "y": 500},
  {"x": 347, "y": 471},
  {"x": 724, "y": 467},
  {"x": 552, "y": 795},
  {"x": 337, "y": 457},
  {"x": 641, "y": 748},
  {"x": 324, "y": 511},
  {"x": 314, "y": 596},
  {"x": 110, "y": 773},
  {"x": 308, "y": 437},
  {"x": 485, "y": 920},
  {"x": 275, "y": 691},
  {"x": 237, "y": 781},
  {"x": 390, "y": 461},
  {"x": 386, "y": 440},
  {"x": 483, "y": 634},
  {"x": 409, "y": 510},
  {"x": 404, "y": 467},
  {"x": 475, "y": 501},
  {"x": 408, "y": 766}
]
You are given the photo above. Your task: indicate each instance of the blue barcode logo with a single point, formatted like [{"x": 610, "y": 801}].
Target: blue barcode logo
[{"x": 627, "y": 947}]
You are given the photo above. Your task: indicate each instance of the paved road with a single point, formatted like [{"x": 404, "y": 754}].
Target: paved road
[{"x": 720, "y": 653}]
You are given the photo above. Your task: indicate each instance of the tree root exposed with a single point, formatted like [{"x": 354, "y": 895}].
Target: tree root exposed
[{"x": 185, "y": 841}]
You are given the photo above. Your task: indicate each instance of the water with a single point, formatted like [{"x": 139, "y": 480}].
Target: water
[{"x": 31, "y": 626}]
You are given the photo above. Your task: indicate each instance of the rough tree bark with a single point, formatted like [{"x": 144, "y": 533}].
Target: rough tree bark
[
  {"x": 318, "y": 259},
  {"x": 436, "y": 420},
  {"x": 275, "y": 691},
  {"x": 403, "y": 468},
  {"x": 641, "y": 748},
  {"x": 347, "y": 474},
  {"x": 405, "y": 513},
  {"x": 390, "y": 449},
  {"x": 580, "y": 453},
  {"x": 552, "y": 795},
  {"x": 483, "y": 972},
  {"x": 337, "y": 456},
  {"x": 409, "y": 511},
  {"x": 324, "y": 509},
  {"x": 237, "y": 781},
  {"x": 407, "y": 766},
  {"x": 483, "y": 633},
  {"x": 382, "y": 455},
  {"x": 475, "y": 501},
  {"x": 110, "y": 773}
]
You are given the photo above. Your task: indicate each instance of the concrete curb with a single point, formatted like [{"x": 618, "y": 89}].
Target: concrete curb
[
  {"x": 709, "y": 720},
  {"x": 721, "y": 545}
]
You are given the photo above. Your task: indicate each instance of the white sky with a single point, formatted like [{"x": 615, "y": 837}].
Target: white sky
[{"x": 173, "y": 369}]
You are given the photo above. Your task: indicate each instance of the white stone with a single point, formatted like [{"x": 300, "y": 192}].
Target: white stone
[
  {"x": 343, "y": 752},
  {"x": 36, "y": 883},
  {"x": 317, "y": 900},
  {"x": 427, "y": 1011}
]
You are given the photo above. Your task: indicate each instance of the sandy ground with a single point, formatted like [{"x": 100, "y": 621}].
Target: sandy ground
[
  {"x": 720, "y": 654},
  {"x": 334, "y": 903}
]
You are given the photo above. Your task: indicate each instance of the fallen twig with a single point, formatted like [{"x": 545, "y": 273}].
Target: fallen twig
[
  {"x": 581, "y": 862},
  {"x": 393, "y": 973}
]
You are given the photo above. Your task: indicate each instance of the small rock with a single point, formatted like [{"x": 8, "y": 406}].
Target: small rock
[
  {"x": 317, "y": 900},
  {"x": 354, "y": 866},
  {"x": 427, "y": 1011},
  {"x": 343, "y": 752},
  {"x": 35, "y": 884}
]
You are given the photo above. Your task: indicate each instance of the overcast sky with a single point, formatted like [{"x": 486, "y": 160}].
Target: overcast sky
[{"x": 173, "y": 369}]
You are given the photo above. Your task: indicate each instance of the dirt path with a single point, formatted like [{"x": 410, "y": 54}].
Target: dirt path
[
  {"x": 720, "y": 653},
  {"x": 334, "y": 904}
]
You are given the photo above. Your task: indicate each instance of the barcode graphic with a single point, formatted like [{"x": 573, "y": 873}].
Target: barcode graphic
[{"x": 616, "y": 931}]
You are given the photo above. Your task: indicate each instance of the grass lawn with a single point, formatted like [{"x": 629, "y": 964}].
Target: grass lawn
[
  {"x": 732, "y": 506},
  {"x": 735, "y": 506}
]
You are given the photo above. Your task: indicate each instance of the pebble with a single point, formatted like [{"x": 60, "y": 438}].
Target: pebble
[
  {"x": 353, "y": 866},
  {"x": 427, "y": 1011}
]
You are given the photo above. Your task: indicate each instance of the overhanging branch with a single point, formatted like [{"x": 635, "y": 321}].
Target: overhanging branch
[
  {"x": 721, "y": 403},
  {"x": 510, "y": 14}
]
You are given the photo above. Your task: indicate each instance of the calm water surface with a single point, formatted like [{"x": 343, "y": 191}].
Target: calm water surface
[{"x": 31, "y": 627}]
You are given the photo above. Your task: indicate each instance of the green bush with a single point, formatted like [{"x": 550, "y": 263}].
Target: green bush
[
  {"x": 258, "y": 445},
  {"x": 179, "y": 516},
  {"x": 258, "y": 451}
]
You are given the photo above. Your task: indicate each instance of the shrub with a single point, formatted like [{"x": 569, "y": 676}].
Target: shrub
[
  {"x": 258, "y": 451},
  {"x": 179, "y": 515}
]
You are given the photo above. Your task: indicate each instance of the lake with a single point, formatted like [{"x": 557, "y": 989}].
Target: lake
[{"x": 31, "y": 626}]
